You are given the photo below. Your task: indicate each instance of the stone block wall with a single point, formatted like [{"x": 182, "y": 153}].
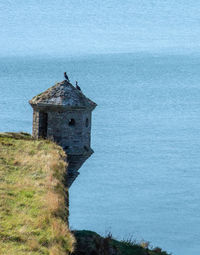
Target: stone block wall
[
  {"x": 35, "y": 130},
  {"x": 70, "y": 129}
]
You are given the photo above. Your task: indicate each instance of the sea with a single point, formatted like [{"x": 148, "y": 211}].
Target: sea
[{"x": 143, "y": 180}]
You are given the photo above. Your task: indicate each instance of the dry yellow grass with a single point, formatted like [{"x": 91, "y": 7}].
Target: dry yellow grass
[{"x": 33, "y": 213}]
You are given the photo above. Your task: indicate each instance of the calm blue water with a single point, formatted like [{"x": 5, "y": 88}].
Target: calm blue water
[{"x": 144, "y": 178}]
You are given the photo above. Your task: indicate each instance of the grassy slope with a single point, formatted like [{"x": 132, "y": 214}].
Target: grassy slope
[{"x": 33, "y": 212}]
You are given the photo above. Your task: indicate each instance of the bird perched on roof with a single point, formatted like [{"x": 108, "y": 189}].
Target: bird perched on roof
[
  {"x": 66, "y": 77},
  {"x": 77, "y": 86}
]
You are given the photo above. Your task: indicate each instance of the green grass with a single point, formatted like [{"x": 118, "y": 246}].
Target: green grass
[{"x": 33, "y": 213}]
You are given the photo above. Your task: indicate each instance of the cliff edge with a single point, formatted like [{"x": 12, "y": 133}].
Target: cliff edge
[{"x": 34, "y": 209}]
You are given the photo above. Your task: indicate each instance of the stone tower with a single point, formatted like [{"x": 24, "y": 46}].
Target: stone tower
[{"x": 63, "y": 113}]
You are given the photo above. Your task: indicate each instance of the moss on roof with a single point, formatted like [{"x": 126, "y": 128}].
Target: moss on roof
[{"x": 63, "y": 94}]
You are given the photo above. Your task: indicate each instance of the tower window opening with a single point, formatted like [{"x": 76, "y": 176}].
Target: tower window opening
[
  {"x": 71, "y": 122},
  {"x": 43, "y": 123},
  {"x": 87, "y": 122},
  {"x": 86, "y": 148}
]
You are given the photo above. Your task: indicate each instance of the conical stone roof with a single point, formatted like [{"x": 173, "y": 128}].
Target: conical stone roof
[{"x": 62, "y": 95}]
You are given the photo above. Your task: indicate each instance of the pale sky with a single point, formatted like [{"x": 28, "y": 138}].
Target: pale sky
[{"x": 67, "y": 27}]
